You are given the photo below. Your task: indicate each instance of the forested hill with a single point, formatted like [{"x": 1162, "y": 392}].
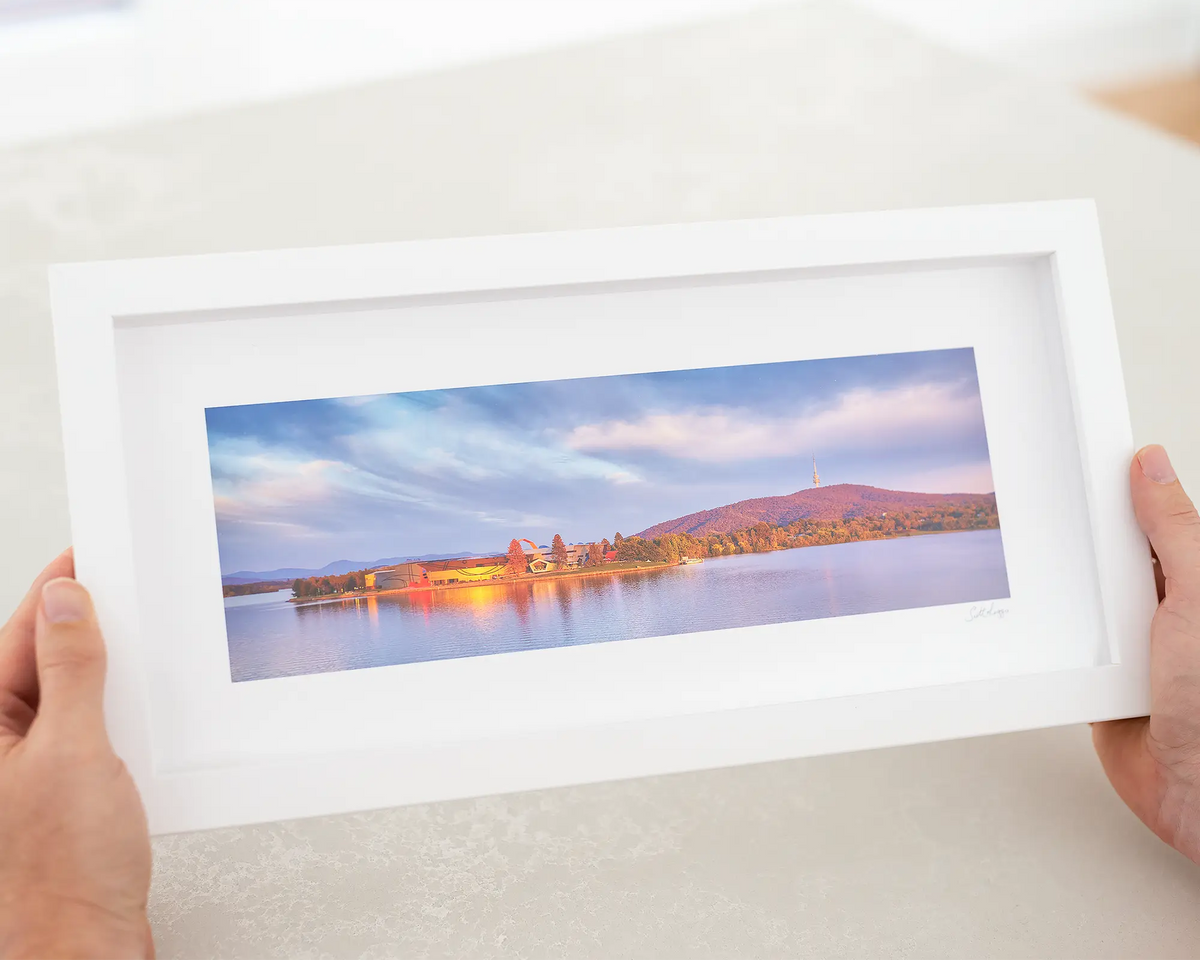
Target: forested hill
[{"x": 841, "y": 501}]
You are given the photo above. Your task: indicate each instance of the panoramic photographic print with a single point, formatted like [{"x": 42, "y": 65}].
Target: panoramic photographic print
[{"x": 379, "y": 530}]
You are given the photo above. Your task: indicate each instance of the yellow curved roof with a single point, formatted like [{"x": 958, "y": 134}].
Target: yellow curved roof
[{"x": 468, "y": 573}]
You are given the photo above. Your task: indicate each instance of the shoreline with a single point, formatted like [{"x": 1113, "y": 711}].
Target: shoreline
[{"x": 605, "y": 570}]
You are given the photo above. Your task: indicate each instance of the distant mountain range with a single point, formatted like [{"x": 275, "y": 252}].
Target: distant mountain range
[
  {"x": 336, "y": 568},
  {"x": 838, "y": 502}
]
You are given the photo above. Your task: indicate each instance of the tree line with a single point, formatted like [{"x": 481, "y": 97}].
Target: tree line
[
  {"x": 329, "y": 586},
  {"x": 245, "y": 589},
  {"x": 763, "y": 536}
]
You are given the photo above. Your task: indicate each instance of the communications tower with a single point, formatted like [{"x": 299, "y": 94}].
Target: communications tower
[{"x": 816, "y": 476}]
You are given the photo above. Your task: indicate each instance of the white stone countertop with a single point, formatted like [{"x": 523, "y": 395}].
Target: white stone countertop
[{"x": 1008, "y": 846}]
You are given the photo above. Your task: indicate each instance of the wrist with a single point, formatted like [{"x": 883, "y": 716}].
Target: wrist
[
  {"x": 73, "y": 931},
  {"x": 76, "y": 945}
]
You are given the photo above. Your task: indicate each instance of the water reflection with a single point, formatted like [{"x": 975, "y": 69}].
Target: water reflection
[{"x": 272, "y": 638}]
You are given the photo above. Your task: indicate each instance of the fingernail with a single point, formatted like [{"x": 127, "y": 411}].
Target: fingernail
[
  {"x": 1156, "y": 465},
  {"x": 64, "y": 600}
]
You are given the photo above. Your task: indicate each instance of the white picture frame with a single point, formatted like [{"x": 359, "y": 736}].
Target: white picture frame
[{"x": 131, "y": 335}]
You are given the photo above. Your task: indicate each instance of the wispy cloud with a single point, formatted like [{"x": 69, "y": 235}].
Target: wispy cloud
[
  {"x": 856, "y": 419},
  {"x": 354, "y": 402},
  {"x": 962, "y": 478},
  {"x": 475, "y": 452}
]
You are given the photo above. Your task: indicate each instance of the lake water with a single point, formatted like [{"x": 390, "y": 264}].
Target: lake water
[{"x": 269, "y": 637}]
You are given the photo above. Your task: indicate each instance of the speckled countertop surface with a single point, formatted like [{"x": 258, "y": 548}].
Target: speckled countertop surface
[{"x": 1000, "y": 847}]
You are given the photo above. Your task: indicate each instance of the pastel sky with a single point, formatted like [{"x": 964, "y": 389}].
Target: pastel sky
[{"x": 301, "y": 484}]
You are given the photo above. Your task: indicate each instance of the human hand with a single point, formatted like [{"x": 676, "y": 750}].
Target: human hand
[
  {"x": 74, "y": 850},
  {"x": 1154, "y": 762}
]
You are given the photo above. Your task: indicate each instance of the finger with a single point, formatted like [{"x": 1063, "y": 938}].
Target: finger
[
  {"x": 70, "y": 660},
  {"x": 1167, "y": 517},
  {"x": 18, "y": 672}
]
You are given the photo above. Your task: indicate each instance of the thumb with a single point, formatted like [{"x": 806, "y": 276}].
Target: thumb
[
  {"x": 70, "y": 658},
  {"x": 1167, "y": 517}
]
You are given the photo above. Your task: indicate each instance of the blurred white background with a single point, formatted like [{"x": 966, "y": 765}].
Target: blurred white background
[{"x": 70, "y": 65}]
